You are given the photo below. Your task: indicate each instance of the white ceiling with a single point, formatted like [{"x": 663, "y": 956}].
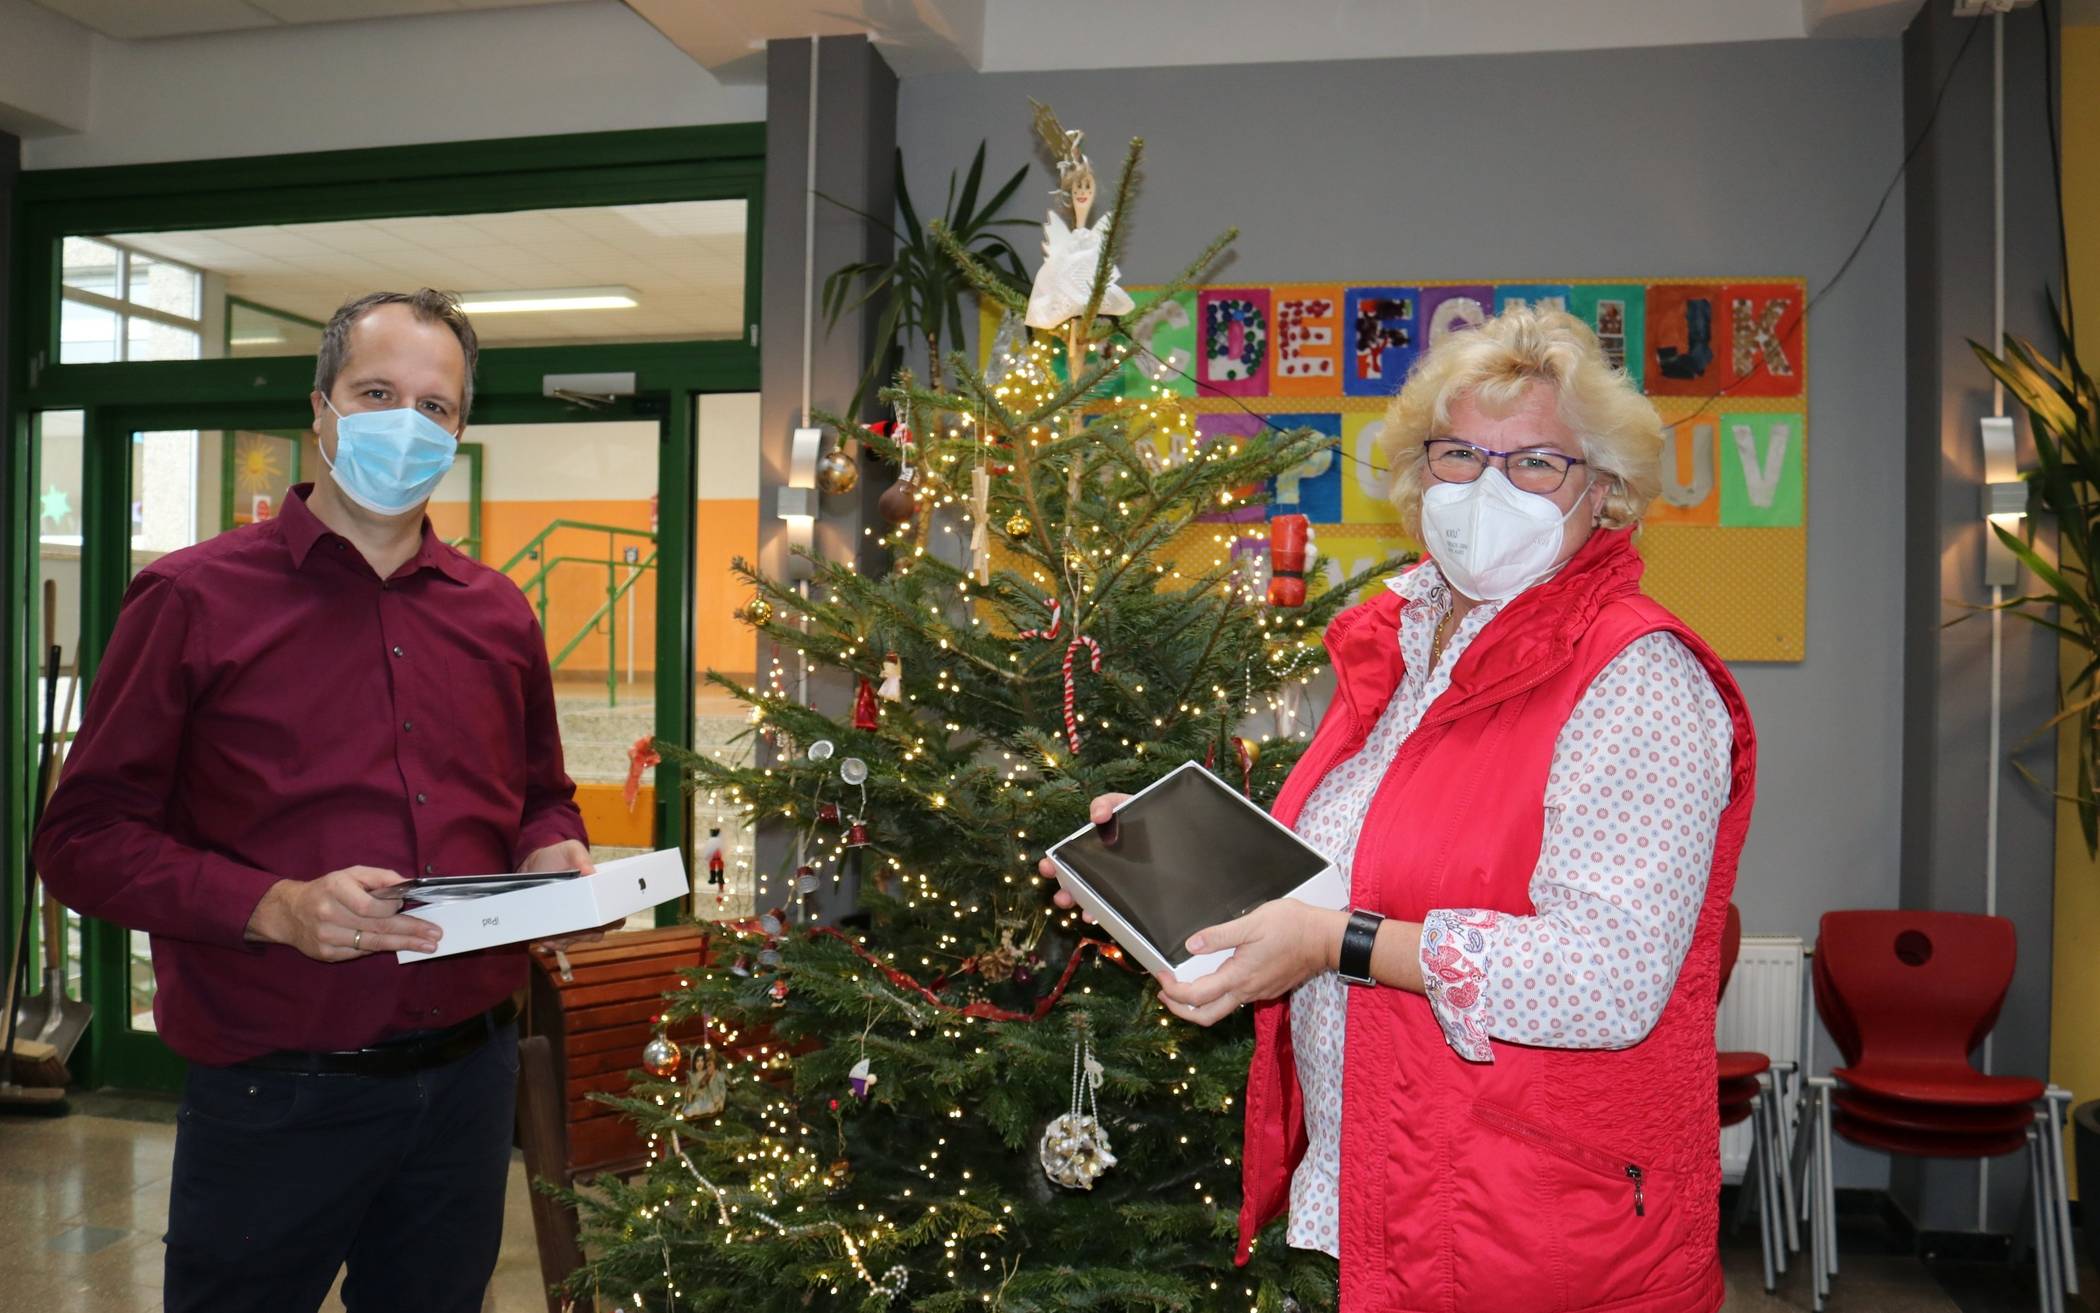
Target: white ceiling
[
  {"x": 728, "y": 37},
  {"x": 685, "y": 260},
  {"x": 142, "y": 19}
]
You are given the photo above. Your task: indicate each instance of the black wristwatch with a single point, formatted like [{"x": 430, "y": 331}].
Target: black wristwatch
[{"x": 1358, "y": 938}]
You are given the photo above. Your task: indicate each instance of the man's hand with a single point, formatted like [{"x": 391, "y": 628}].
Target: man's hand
[
  {"x": 568, "y": 855},
  {"x": 335, "y": 918},
  {"x": 1276, "y": 948},
  {"x": 1101, "y": 811}
]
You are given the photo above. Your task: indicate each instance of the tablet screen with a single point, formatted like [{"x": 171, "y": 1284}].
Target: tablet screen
[{"x": 1188, "y": 853}]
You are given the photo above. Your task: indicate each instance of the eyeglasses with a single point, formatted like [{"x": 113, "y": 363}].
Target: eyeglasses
[{"x": 1534, "y": 469}]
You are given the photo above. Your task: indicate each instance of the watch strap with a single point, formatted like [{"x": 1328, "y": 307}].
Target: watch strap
[{"x": 1358, "y": 938}]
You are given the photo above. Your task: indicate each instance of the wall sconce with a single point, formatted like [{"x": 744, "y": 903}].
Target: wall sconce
[
  {"x": 2004, "y": 500},
  {"x": 796, "y": 503}
]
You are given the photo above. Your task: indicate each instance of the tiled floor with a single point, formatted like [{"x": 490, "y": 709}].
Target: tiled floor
[
  {"x": 84, "y": 1199},
  {"x": 83, "y": 1202}
]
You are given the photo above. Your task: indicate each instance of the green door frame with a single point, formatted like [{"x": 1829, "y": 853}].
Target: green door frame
[{"x": 718, "y": 162}]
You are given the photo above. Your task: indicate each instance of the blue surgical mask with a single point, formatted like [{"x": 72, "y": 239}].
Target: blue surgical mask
[{"x": 389, "y": 461}]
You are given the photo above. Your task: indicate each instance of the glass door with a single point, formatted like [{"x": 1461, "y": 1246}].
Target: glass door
[{"x": 562, "y": 502}]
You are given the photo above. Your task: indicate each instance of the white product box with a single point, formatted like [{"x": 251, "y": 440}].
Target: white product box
[{"x": 618, "y": 889}]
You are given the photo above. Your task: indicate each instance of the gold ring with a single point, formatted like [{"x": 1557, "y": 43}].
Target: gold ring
[{"x": 357, "y": 942}]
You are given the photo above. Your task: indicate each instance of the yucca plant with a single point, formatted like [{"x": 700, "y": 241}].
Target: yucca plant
[
  {"x": 921, "y": 290},
  {"x": 2064, "y": 413}
]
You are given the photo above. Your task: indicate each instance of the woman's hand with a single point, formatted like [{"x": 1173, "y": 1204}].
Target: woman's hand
[
  {"x": 1276, "y": 948},
  {"x": 1100, "y": 812}
]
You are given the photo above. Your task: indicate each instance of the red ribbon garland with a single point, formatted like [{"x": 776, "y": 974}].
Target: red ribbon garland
[{"x": 981, "y": 1011}]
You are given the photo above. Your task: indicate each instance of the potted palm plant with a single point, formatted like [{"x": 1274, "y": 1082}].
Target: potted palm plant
[
  {"x": 920, "y": 289},
  {"x": 2063, "y": 412}
]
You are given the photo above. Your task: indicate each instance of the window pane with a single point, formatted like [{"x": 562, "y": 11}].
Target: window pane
[
  {"x": 56, "y": 434},
  {"x": 91, "y": 266},
  {"x": 58, "y": 494},
  {"x": 150, "y": 339},
  {"x": 87, "y": 334},
  {"x": 163, "y": 494},
  {"x": 159, "y": 285},
  {"x": 265, "y": 465},
  {"x": 252, "y": 330}
]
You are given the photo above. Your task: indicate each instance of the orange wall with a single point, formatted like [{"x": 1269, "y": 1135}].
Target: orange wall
[{"x": 728, "y": 528}]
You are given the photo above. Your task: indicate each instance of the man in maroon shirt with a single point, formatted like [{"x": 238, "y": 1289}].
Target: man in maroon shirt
[{"x": 288, "y": 719}]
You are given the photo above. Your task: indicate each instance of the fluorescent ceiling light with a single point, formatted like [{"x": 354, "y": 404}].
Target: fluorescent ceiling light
[{"x": 547, "y": 298}]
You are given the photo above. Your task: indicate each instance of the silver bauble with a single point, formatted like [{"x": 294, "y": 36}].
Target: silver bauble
[{"x": 661, "y": 1056}]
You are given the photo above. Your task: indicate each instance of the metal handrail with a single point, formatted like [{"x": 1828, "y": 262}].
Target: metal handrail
[
  {"x": 553, "y": 526},
  {"x": 535, "y": 588},
  {"x": 613, "y": 594}
]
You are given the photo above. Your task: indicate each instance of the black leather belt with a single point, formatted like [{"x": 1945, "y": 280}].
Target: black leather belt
[{"x": 397, "y": 1057}]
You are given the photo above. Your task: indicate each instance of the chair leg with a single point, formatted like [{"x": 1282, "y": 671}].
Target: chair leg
[
  {"x": 1771, "y": 1214},
  {"x": 1828, "y": 1185},
  {"x": 1813, "y": 1200},
  {"x": 1760, "y": 1161},
  {"x": 1782, "y": 1180},
  {"x": 2066, "y": 1244},
  {"x": 2048, "y": 1288},
  {"x": 1821, "y": 1189},
  {"x": 1783, "y": 1112}
]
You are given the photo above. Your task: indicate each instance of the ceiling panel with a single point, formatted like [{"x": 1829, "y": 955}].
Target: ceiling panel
[
  {"x": 144, "y": 19},
  {"x": 133, "y": 20},
  {"x": 685, "y": 260}
]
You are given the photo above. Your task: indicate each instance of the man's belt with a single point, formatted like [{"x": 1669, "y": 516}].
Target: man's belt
[{"x": 396, "y": 1057}]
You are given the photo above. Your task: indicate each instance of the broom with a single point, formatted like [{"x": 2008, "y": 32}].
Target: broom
[{"x": 40, "y": 1096}]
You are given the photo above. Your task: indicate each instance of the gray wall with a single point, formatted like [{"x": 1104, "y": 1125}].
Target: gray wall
[
  {"x": 1759, "y": 159},
  {"x": 1947, "y": 674},
  {"x": 856, "y": 123}
]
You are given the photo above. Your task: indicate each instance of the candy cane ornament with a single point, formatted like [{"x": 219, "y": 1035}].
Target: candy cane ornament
[
  {"x": 1071, "y": 716},
  {"x": 1057, "y": 622}
]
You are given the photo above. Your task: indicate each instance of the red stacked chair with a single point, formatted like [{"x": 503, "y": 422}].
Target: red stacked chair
[
  {"x": 1907, "y": 995},
  {"x": 1747, "y": 1094}
]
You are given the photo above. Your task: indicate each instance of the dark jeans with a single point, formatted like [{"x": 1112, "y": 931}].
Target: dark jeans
[{"x": 282, "y": 1177}]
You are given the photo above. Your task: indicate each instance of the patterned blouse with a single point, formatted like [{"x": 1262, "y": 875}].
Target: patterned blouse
[{"x": 1616, "y": 893}]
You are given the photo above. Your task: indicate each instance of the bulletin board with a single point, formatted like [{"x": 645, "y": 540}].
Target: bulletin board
[{"x": 1724, "y": 361}]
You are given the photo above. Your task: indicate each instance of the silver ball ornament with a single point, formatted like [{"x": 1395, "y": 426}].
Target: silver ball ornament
[{"x": 661, "y": 1056}]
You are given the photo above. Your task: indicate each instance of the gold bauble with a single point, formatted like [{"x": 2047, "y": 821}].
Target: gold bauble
[
  {"x": 1019, "y": 526},
  {"x": 836, "y": 473},
  {"x": 757, "y": 612}
]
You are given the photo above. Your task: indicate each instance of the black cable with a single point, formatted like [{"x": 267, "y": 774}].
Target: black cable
[
  {"x": 2056, "y": 161},
  {"x": 1793, "y": 329}
]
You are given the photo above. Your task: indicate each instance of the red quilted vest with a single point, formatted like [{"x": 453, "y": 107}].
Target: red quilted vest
[{"x": 1550, "y": 1179}]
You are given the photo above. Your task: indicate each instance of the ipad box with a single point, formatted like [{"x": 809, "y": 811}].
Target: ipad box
[
  {"x": 1188, "y": 852},
  {"x": 618, "y": 889}
]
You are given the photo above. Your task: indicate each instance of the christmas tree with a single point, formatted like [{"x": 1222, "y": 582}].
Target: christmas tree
[{"x": 962, "y": 1097}]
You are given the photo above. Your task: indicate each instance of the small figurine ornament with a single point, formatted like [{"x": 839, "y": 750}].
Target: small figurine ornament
[
  {"x": 706, "y": 1088},
  {"x": 862, "y": 1080},
  {"x": 866, "y": 714},
  {"x": 1071, "y": 252},
  {"x": 892, "y": 689},
  {"x": 1287, "y": 560},
  {"x": 715, "y": 866}
]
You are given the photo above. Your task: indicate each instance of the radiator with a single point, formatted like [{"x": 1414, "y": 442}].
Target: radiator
[{"x": 1761, "y": 1012}]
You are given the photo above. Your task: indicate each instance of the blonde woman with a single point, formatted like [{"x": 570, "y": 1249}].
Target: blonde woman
[{"x": 1491, "y": 1084}]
